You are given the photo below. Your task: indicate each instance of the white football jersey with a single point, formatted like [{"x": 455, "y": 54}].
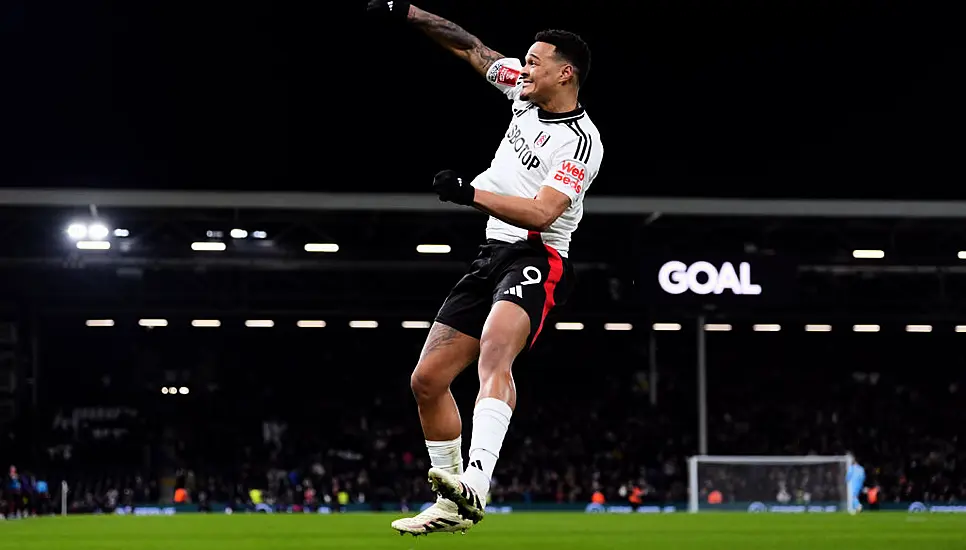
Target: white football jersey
[{"x": 562, "y": 150}]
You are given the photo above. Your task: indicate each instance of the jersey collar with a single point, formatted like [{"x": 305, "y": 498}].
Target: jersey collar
[{"x": 546, "y": 116}]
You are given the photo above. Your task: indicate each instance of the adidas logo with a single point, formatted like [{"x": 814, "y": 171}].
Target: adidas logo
[{"x": 514, "y": 291}]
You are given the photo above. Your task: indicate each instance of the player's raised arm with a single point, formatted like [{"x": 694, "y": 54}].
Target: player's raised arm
[
  {"x": 446, "y": 33},
  {"x": 455, "y": 39}
]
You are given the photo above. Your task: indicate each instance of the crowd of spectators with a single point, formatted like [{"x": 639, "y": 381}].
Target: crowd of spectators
[{"x": 332, "y": 433}]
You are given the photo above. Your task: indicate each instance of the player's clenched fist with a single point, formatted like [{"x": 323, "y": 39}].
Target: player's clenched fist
[
  {"x": 452, "y": 188},
  {"x": 392, "y": 8}
]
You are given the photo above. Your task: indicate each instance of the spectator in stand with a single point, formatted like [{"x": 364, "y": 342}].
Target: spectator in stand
[{"x": 15, "y": 499}]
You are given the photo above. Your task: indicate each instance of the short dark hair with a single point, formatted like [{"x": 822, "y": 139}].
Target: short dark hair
[{"x": 571, "y": 47}]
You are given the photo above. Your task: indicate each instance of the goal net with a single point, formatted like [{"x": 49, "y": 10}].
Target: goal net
[{"x": 782, "y": 484}]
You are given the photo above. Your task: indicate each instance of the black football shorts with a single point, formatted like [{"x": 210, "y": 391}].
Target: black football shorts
[{"x": 527, "y": 273}]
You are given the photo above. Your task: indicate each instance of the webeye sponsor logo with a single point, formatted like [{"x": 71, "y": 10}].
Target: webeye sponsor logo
[{"x": 572, "y": 175}]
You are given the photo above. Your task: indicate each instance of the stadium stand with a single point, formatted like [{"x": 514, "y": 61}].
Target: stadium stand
[{"x": 324, "y": 416}]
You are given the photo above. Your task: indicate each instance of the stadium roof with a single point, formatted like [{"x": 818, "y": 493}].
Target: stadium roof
[
  {"x": 365, "y": 254},
  {"x": 428, "y": 203}
]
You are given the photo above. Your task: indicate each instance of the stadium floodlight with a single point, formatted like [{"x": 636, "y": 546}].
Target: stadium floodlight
[
  {"x": 164, "y": 391},
  {"x": 239, "y": 234},
  {"x": 122, "y": 233},
  {"x": 259, "y": 323},
  {"x": 433, "y": 249},
  {"x": 416, "y": 324},
  {"x": 363, "y": 324},
  {"x": 183, "y": 390},
  {"x": 818, "y": 328},
  {"x": 311, "y": 324},
  {"x": 208, "y": 246},
  {"x": 717, "y": 327},
  {"x": 961, "y": 255},
  {"x": 93, "y": 245},
  {"x": 569, "y": 326},
  {"x": 618, "y": 326},
  {"x": 868, "y": 254},
  {"x": 77, "y": 231},
  {"x": 153, "y": 322},
  {"x": 918, "y": 328},
  {"x": 960, "y": 328},
  {"x": 100, "y": 322},
  {"x": 765, "y": 484},
  {"x": 97, "y": 231},
  {"x": 767, "y": 328},
  {"x": 259, "y": 235},
  {"x": 666, "y": 326},
  {"x": 214, "y": 323},
  {"x": 321, "y": 247},
  {"x": 172, "y": 390},
  {"x": 865, "y": 328}
]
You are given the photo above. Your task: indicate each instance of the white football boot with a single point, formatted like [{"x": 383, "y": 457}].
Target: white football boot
[
  {"x": 441, "y": 517},
  {"x": 469, "y": 505}
]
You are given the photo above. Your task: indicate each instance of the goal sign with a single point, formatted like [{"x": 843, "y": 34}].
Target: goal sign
[
  {"x": 689, "y": 278},
  {"x": 704, "y": 278}
]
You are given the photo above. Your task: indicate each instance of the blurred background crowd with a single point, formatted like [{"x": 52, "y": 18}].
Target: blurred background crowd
[{"x": 315, "y": 418}]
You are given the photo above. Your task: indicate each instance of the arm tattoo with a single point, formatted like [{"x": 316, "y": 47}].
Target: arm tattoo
[
  {"x": 454, "y": 38},
  {"x": 440, "y": 336},
  {"x": 486, "y": 57},
  {"x": 446, "y": 32}
]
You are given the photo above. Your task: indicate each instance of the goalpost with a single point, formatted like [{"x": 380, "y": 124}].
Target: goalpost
[{"x": 783, "y": 484}]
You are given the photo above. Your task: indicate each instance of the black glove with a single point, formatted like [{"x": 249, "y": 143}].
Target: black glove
[
  {"x": 397, "y": 9},
  {"x": 452, "y": 188}
]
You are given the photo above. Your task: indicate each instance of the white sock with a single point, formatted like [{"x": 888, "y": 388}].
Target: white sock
[
  {"x": 446, "y": 455},
  {"x": 491, "y": 418}
]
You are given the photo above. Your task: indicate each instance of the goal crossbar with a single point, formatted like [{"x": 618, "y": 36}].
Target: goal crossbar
[{"x": 807, "y": 459}]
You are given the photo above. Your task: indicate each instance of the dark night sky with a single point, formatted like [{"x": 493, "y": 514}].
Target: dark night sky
[{"x": 751, "y": 99}]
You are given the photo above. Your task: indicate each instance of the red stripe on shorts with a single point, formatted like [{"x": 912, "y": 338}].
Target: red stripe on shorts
[{"x": 553, "y": 277}]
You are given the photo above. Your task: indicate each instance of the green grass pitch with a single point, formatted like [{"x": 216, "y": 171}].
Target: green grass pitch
[{"x": 524, "y": 531}]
